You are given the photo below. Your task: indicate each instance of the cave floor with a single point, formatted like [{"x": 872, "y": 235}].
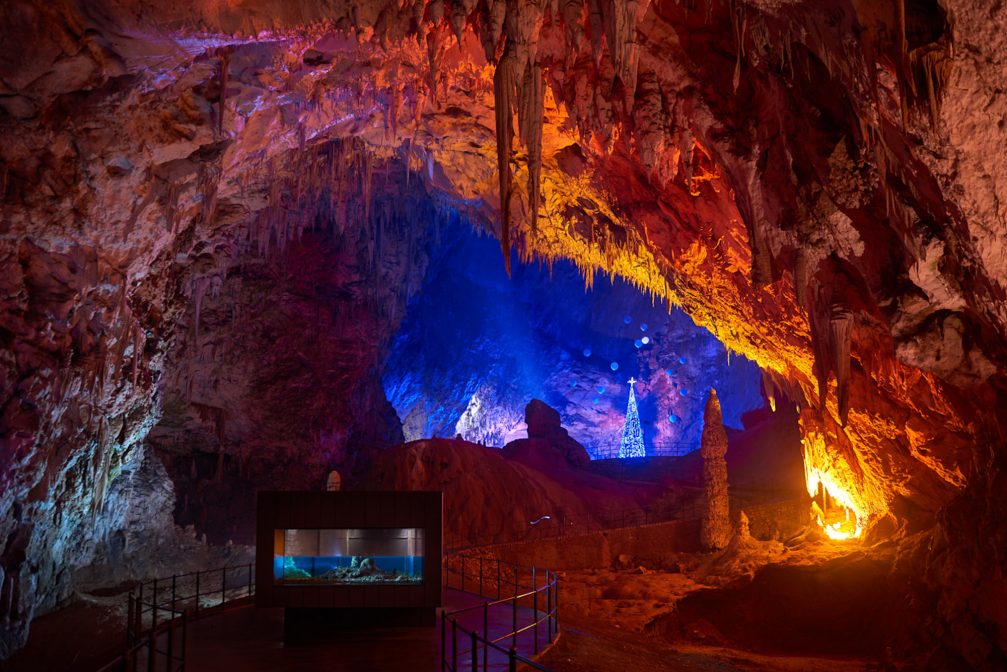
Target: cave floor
[
  {"x": 252, "y": 639},
  {"x": 582, "y": 650},
  {"x": 88, "y": 633}
]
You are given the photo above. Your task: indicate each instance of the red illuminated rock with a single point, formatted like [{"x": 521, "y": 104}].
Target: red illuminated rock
[{"x": 796, "y": 179}]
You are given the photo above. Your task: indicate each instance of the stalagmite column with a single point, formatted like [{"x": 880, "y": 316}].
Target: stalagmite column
[
  {"x": 743, "y": 530},
  {"x": 716, "y": 528}
]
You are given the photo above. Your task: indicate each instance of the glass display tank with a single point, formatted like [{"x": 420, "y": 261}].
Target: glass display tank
[{"x": 365, "y": 556}]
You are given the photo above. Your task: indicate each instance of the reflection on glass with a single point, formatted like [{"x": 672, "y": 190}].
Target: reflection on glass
[{"x": 349, "y": 556}]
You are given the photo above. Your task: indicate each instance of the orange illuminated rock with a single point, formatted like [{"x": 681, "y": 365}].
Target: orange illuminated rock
[
  {"x": 716, "y": 531},
  {"x": 796, "y": 180}
]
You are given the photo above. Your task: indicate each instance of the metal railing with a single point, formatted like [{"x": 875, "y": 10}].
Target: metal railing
[
  {"x": 690, "y": 508},
  {"x": 496, "y": 577},
  {"x": 159, "y": 608},
  {"x": 609, "y": 451},
  {"x": 556, "y": 526},
  {"x": 161, "y": 647}
]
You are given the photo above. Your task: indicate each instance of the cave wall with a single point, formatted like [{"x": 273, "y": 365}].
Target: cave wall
[
  {"x": 274, "y": 380},
  {"x": 814, "y": 185}
]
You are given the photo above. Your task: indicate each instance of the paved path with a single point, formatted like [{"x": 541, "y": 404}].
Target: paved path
[{"x": 248, "y": 638}]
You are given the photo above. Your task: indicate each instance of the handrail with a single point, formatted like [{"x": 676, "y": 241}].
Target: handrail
[
  {"x": 632, "y": 516},
  {"x": 484, "y": 640},
  {"x": 143, "y": 633},
  {"x": 609, "y": 450}
]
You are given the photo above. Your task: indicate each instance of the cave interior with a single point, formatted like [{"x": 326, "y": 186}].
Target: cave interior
[{"x": 698, "y": 307}]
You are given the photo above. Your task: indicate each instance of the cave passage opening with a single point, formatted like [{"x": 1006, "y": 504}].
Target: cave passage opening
[{"x": 476, "y": 346}]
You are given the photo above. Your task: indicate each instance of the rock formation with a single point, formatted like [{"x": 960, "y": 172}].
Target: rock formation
[
  {"x": 715, "y": 530},
  {"x": 743, "y": 531},
  {"x": 545, "y": 433},
  {"x": 795, "y": 179},
  {"x": 493, "y": 498}
]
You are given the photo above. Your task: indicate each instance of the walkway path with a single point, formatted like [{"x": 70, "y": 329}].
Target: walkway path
[{"x": 248, "y": 638}]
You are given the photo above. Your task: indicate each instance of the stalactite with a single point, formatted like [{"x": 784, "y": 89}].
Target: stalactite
[
  {"x": 225, "y": 55},
  {"x": 818, "y": 317},
  {"x": 531, "y": 118},
  {"x": 460, "y": 10},
  {"x": 573, "y": 18},
  {"x": 172, "y": 207},
  {"x": 740, "y": 22},
  {"x": 199, "y": 289},
  {"x": 840, "y": 326},
  {"x": 770, "y": 388},
  {"x": 503, "y": 92},
  {"x": 596, "y": 24},
  {"x": 419, "y": 9},
  {"x": 137, "y": 352},
  {"x": 802, "y": 276}
]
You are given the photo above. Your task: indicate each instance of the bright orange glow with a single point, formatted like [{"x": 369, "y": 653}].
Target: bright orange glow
[
  {"x": 843, "y": 527},
  {"x": 838, "y": 509}
]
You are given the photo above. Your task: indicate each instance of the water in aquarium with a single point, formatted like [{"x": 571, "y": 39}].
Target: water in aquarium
[
  {"x": 388, "y": 569},
  {"x": 349, "y": 555}
]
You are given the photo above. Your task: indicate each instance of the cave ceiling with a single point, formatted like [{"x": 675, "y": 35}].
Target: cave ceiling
[{"x": 807, "y": 180}]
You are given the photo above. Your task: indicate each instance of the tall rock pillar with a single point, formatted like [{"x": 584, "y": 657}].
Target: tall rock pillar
[{"x": 716, "y": 526}]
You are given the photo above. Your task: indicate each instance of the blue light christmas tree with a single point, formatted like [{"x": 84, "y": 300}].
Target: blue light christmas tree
[{"x": 632, "y": 434}]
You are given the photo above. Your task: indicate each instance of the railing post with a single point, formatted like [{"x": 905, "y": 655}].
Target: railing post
[
  {"x": 486, "y": 633},
  {"x": 249, "y": 579},
  {"x": 129, "y": 620},
  {"x": 454, "y": 645},
  {"x": 129, "y": 660},
  {"x": 223, "y": 584},
  {"x": 548, "y": 607},
  {"x": 151, "y": 648},
  {"x": 534, "y": 608},
  {"x": 185, "y": 630},
  {"x": 197, "y": 591},
  {"x": 475, "y": 652},
  {"x": 153, "y": 610},
  {"x": 138, "y": 624},
  {"x": 169, "y": 653},
  {"x": 444, "y": 634},
  {"x": 498, "y": 578},
  {"x": 512, "y": 660},
  {"x": 555, "y": 608},
  {"x": 513, "y": 638},
  {"x": 173, "y": 593}
]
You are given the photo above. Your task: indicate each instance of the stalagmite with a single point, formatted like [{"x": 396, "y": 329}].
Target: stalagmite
[
  {"x": 743, "y": 530},
  {"x": 716, "y": 531}
]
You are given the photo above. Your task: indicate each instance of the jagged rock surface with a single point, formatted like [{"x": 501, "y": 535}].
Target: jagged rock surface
[{"x": 796, "y": 179}]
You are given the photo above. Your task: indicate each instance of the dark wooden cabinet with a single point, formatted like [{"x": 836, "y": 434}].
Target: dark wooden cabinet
[{"x": 364, "y": 557}]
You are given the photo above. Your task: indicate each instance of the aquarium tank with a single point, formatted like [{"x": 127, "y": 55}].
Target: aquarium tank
[{"x": 348, "y": 556}]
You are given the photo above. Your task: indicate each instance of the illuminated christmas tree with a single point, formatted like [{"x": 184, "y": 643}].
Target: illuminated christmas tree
[{"x": 632, "y": 434}]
